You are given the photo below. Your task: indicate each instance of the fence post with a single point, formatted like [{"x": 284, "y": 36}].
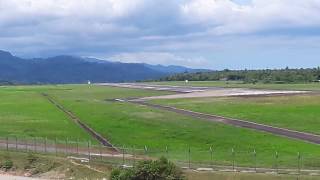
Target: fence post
[
  {"x": 89, "y": 153},
  {"x": 167, "y": 152},
  {"x": 35, "y": 144},
  {"x": 7, "y": 143},
  {"x": 189, "y": 157},
  {"x": 276, "y": 162},
  {"x": 66, "y": 146},
  {"x": 26, "y": 141},
  {"x": 299, "y": 163},
  {"x": 146, "y": 150},
  {"x": 78, "y": 146},
  {"x": 233, "y": 158},
  {"x": 16, "y": 143},
  {"x": 45, "y": 145},
  {"x": 211, "y": 156},
  {"x": 255, "y": 160},
  {"x": 123, "y": 155},
  {"x": 55, "y": 146},
  {"x": 100, "y": 150},
  {"x": 134, "y": 156}
]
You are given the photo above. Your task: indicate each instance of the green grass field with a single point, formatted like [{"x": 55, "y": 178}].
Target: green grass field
[
  {"x": 240, "y": 84},
  {"x": 24, "y": 113},
  {"x": 243, "y": 176},
  {"x": 133, "y": 125},
  {"x": 299, "y": 112}
]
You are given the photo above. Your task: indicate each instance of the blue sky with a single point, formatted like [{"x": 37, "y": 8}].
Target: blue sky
[{"x": 214, "y": 34}]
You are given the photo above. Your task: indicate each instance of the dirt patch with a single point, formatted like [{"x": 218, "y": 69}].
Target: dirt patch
[{"x": 11, "y": 177}]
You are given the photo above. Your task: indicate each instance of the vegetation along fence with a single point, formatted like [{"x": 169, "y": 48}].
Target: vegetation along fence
[{"x": 188, "y": 157}]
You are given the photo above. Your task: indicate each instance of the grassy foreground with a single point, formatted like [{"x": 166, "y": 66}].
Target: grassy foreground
[{"x": 50, "y": 167}]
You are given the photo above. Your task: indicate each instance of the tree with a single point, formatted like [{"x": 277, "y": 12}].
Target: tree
[{"x": 252, "y": 76}]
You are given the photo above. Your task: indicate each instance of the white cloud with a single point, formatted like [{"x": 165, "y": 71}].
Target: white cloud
[
  {"x": 211, "y": 16},
  {"x": 79, "y": 8},
  {"x": 178, "y": 32},
  {"x": 227, "y": 17},
  {"x": 159, "y": 58},
  {"x": 209, "y": 11}
]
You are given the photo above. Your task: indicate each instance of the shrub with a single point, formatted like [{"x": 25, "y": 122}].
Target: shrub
[
  {"x": 8, "y": 164},
  {"x": 122, "y": 174},
  {"x": 161, "y": 169}
]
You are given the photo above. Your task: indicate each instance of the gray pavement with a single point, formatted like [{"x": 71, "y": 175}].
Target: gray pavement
[
  {"x": 194, "y": 91},
  {"x": 177, "y": 89}
]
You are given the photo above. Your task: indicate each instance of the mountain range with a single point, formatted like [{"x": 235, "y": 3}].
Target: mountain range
[{"x": 72, "y": 69}]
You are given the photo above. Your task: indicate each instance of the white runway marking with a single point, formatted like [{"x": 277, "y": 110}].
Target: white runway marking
[{"x": 192, "y": 92}]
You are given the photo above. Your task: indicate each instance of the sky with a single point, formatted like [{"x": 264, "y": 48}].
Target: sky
[{"x": 214, "y": 34}]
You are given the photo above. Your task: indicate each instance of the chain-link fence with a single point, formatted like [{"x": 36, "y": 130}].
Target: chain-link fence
[{"x": 210, "y": 159}]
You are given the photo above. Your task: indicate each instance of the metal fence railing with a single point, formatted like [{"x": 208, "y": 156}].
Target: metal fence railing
[{"x": 211, "y": 159}]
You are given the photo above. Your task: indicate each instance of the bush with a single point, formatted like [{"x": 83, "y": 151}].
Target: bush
[
  {"x": 122, "y": 174},
  {"x": 161, "y": 169},
  {"x": 7, "y": 165}
]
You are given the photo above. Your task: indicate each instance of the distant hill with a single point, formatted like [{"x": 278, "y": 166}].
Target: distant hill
[
  {"x": 72, "y": 69},
  {"x": 172, "y": 69}
]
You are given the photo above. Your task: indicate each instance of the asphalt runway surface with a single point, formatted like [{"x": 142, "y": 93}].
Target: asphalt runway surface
[
  {"x": 192, "y": 92},
  {"x": 177, "y": 89},
  {"x": 189, "y": 92}
]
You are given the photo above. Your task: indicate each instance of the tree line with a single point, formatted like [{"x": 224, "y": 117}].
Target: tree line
[{"x": 286, "y": 75}]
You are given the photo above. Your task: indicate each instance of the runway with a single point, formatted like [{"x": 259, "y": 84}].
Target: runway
[{"x": 192, "y": 92}]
